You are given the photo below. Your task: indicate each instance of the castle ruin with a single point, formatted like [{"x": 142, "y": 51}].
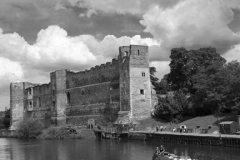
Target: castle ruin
[{"x": 118, "y": 91}]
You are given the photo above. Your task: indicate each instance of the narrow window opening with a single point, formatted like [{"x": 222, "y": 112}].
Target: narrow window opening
[
  {"x": 82, "y": 92},
  {"x": 141, "y": 91},
  {"x": 68, "y": 98},
  {"x": 30, "y": 91},
  {"x": 39, "y": 102},
  {"x": 138, "y": 52},
  {"x": 30, "y": 103},
  {"x": 53, "y": 103}
]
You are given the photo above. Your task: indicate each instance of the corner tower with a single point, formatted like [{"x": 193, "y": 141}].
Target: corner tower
[{"x": 135, "y": 90}]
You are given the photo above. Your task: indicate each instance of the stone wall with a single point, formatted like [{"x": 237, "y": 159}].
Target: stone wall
[{"x": 98, "y": 74}]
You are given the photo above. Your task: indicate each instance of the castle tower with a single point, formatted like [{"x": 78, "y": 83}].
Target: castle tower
[
  {"x": 135, "y": 90},
  {"x": 59, "y": 96},
  {"x": 16, "y": 102}
]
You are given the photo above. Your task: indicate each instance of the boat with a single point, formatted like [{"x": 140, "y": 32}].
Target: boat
[{"x": 169, "y": 156}]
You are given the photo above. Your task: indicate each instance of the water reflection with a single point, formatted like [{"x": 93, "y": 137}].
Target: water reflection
[{"x": 15, "y": 149}]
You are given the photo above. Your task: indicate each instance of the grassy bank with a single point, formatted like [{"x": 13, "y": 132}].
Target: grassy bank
[{"x": 203, "y": 122}]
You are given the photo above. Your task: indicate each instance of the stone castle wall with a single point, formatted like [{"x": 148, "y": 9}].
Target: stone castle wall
[{"x": 99, "y": 93}]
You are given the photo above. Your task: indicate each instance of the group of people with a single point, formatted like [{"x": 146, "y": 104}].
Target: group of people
[
  {"x": 161, "y": 128},
  {"x": 159, "y": 151}
]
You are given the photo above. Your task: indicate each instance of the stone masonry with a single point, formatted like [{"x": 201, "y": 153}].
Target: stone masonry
[{"x": 118, "y": 91}]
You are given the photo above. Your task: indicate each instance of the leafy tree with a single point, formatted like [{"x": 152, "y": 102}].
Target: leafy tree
[
  {"x": 210, "y": 90},
  {"x": 185, "y": 64},
  {"x": 6, "y": 119},
  {"x": 163, "y": 86},
  {"x": 217, "y": 88},
  {"x": 154, "y": 79},
  {"x": 172, "y": 108}
]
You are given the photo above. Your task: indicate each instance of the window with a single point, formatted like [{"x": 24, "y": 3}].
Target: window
[
  {"x": 138, "y": 52},
  {"x": 68, "y": 98},
  {"x": 143, "y": 74},
  {"x": 30, "y": 103},
  {"x": 125, "y": 54},
  {"x": 39, "y": 102},
  {"x": 141, "y": 91},
  {"x": 30, "y": 91},
  {"x": 53, "y": 103}
]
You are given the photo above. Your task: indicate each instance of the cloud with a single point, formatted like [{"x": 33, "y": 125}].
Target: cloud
[
  {"x": 162, "y": 68},
  {"x": 54, "y": 49},
  {"x": 9, "y": 72},
  {"x": 233, "y": 54},
  {"x": 135, "y": 7},
  {"x": 192, "y": 24}
]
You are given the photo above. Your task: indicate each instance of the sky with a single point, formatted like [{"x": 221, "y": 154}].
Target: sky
[{"x": 40, "y": 36}]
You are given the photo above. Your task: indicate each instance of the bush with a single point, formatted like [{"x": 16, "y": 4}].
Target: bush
[
  {"x": 65, "y": 132},
  {"x": 62, "y": 132},
  {"x": 6, "y": 119},
  {"x": 29, "y": 128}
]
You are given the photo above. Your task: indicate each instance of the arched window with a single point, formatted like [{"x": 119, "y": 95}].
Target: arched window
[{"x": 68, "y": 98}]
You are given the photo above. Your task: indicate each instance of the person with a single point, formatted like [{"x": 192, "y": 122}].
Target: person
[
  {"x": 157, "y": 152},
  {"x": 162, "y": 149},
  {"x": 161, "y": 128},
  {"x": 157, "y": 128}
]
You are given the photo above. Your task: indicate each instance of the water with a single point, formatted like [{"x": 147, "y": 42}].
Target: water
[{"x": 16, "y": 149}]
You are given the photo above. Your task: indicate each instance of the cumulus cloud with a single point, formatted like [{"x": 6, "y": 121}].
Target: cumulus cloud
[
  {"x": 9, "y": 72},
  {"x": 233, "y": 54},
  {"x": 54, "y": 49},
  {"x": 192, "y": 24},
  {"x": 162, "y": 68}
]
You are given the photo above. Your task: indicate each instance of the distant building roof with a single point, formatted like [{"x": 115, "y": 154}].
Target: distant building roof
[{"x": 227, "y": 122}]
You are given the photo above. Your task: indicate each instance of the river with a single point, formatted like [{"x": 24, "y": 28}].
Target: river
[{"x": 16, "y": 149}]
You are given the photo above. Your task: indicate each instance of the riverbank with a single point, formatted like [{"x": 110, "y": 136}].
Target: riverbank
[{"x": 63, "y": 132}]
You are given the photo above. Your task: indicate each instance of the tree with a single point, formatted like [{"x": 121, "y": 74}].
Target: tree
[
  {"x": 209, "y": 84},
  {"x": 154, "y": 79},
  {"x": 185, "y": 64},
  {"x": 163, "y": 86},
  {"x": 6, "y": 119},
  {"x": 172, "y": 108},
  {"x": 217, "y": 88}
]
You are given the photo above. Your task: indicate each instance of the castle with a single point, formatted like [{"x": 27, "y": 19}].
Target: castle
[{"x": 118, "y": 91}]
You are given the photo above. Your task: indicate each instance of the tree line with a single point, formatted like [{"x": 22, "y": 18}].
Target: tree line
[{"x": 201, "y": 83}]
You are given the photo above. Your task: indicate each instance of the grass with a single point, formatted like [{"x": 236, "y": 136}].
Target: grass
[{"x": 203, "y": 122}]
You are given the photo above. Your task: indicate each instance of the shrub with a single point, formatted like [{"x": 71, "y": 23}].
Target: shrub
[
  {"x": 64, "y": 132},
  {"x": 29, "y": 128},
  {"x": 6, "y": 119}
]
